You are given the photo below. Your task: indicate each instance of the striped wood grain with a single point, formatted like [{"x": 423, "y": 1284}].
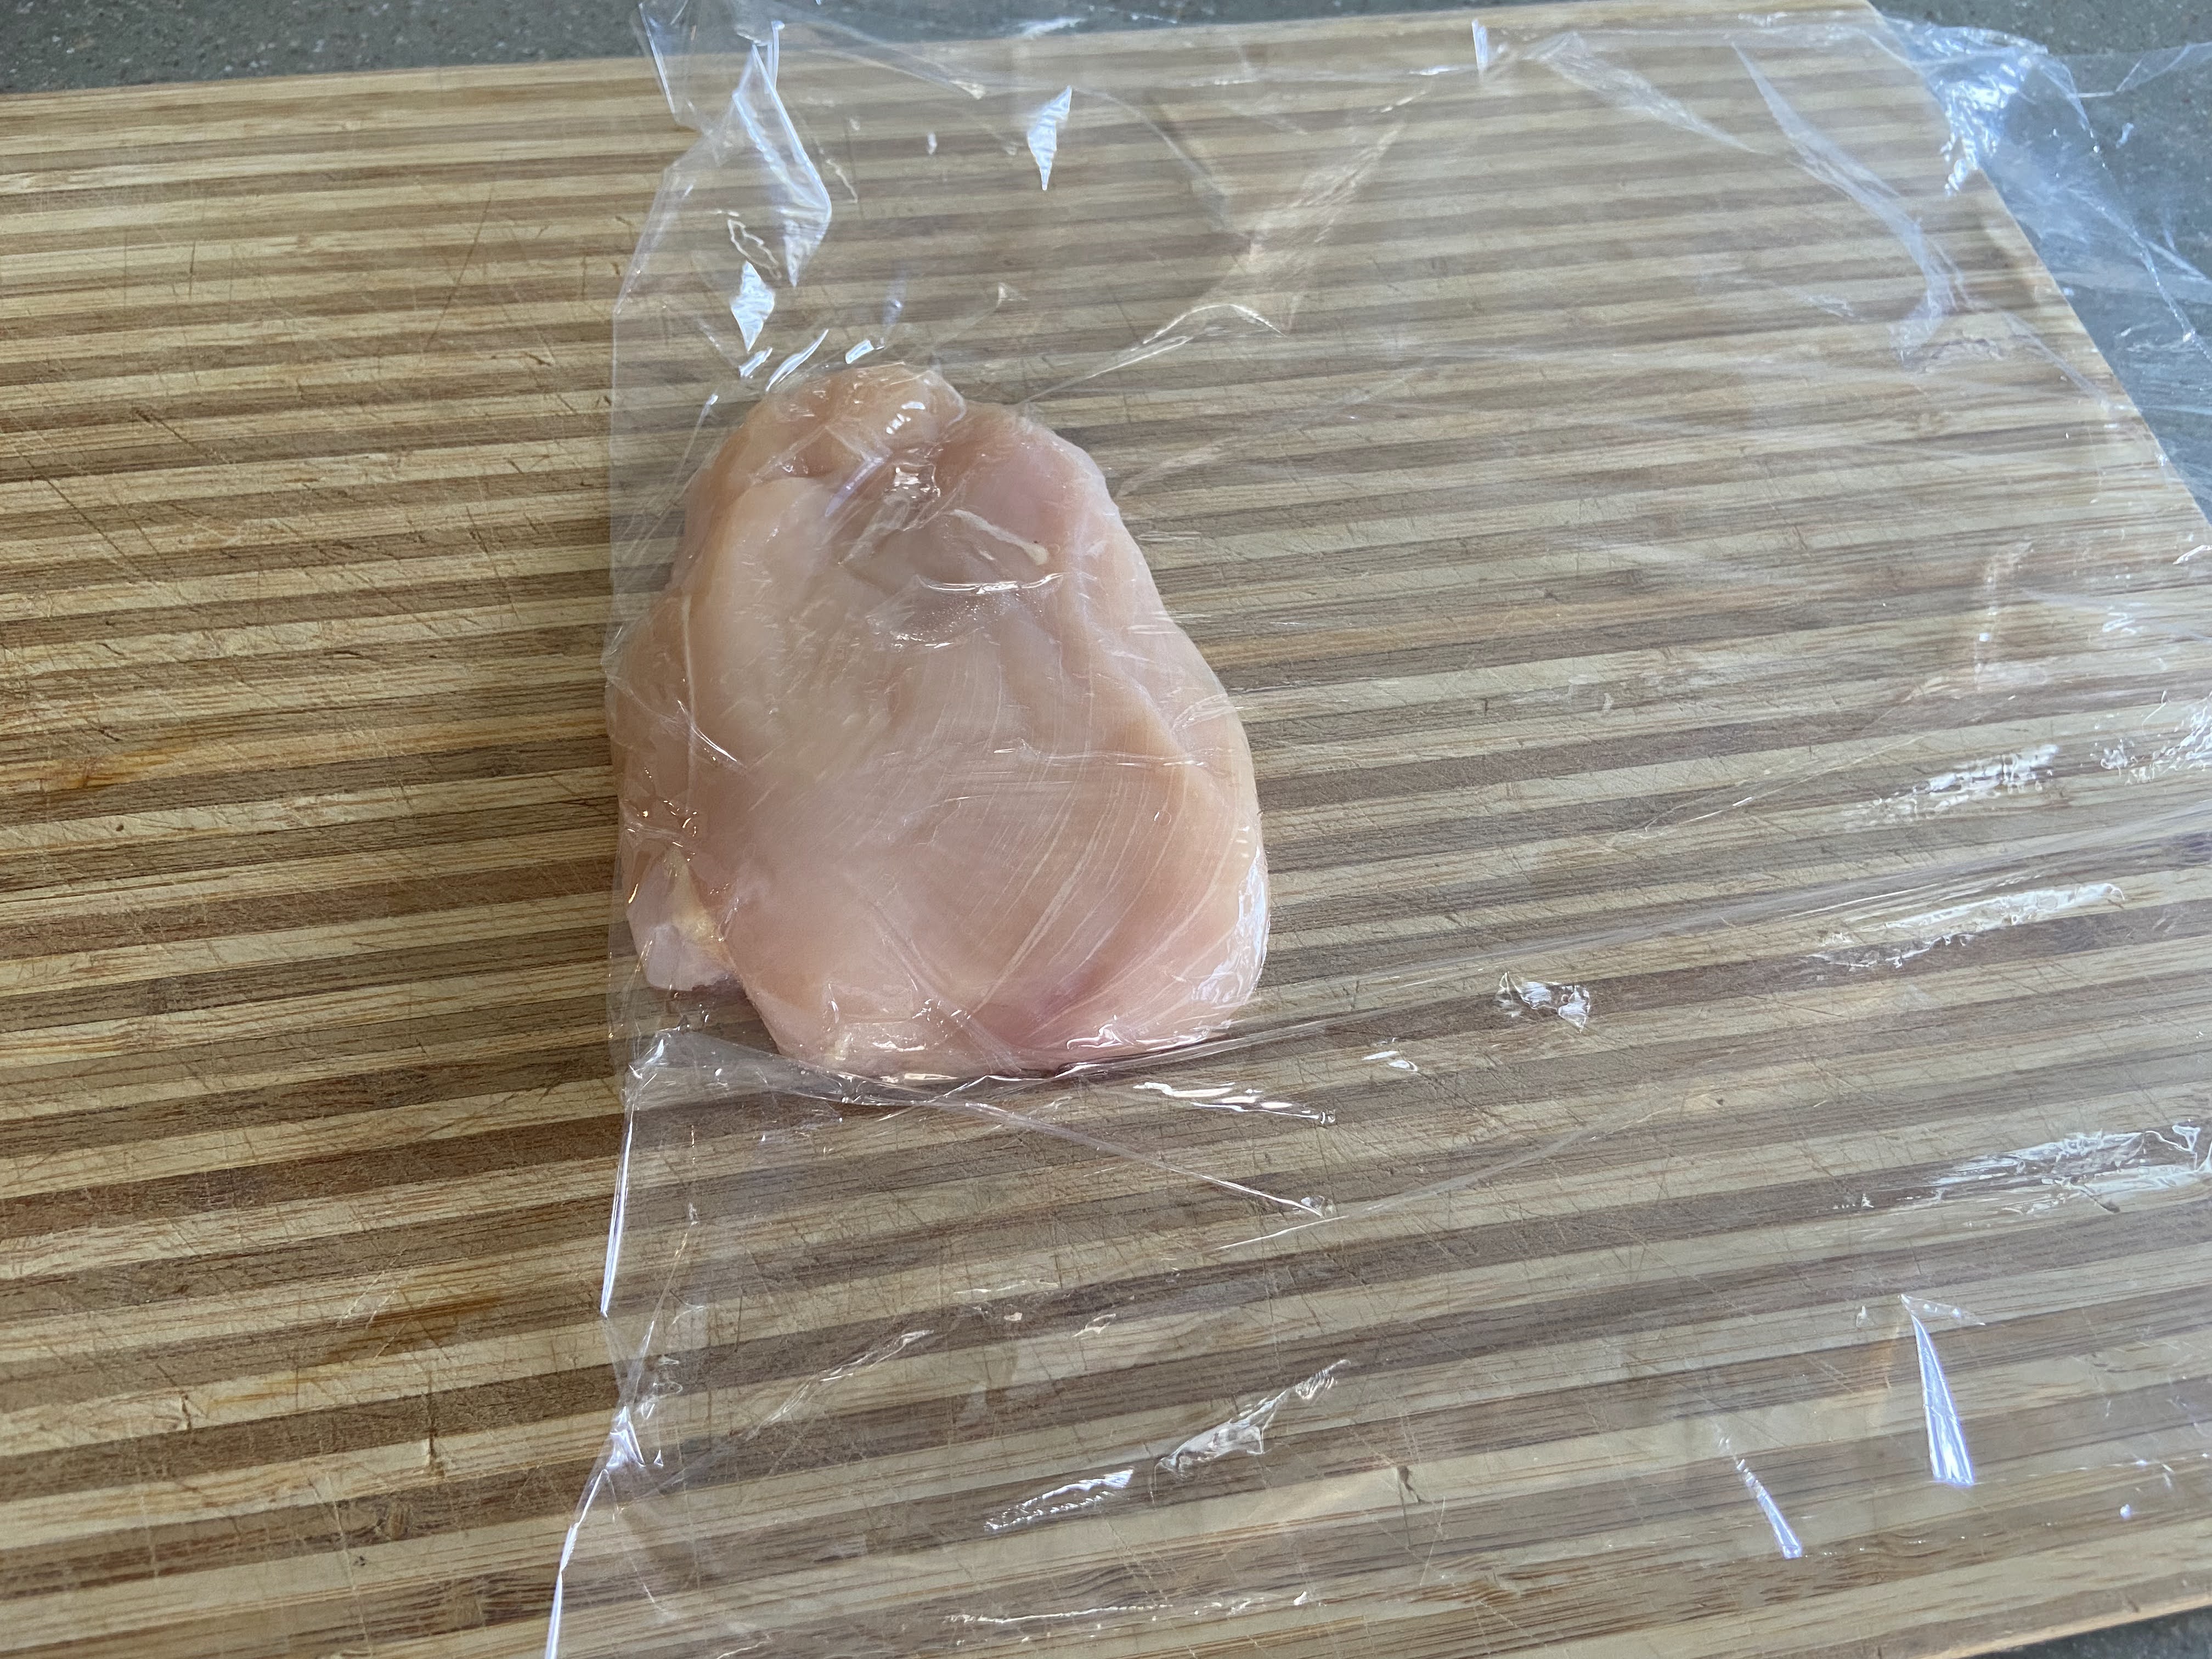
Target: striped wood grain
[
  {"x": 309, "y": 1131},
  {"x": 309, "y": 1137}
]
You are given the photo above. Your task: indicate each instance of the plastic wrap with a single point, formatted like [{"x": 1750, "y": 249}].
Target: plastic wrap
[{"x": 1723, "y": 664}]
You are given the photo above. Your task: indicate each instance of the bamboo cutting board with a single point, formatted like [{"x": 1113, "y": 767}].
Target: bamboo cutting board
[{"x": 310, "y": 1136}]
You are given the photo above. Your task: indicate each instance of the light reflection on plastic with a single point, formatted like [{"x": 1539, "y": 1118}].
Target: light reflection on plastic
[
  {"x": 1948, "y": 1458},
  {"x": 1044, "y": 134},
  {"x": 1570, "y": 1002},
  {"x": 755, "y": 300},
  {"x": 1979, "y": 780},
  {"x": 1076, "y": 1498},
  {"x": 889, "y": 1348},
  {"x": 615, "y": 1221},
  {"x": 797, "y": 361},
  {"x": 1893, "y": 942},
  {"x": 623, "y": 1451},
  {"x": 758, "y": 120},
  {"x": 1246, "y": 1433},
  {"x": 1234, "y": 1097},
  {"x": 1485, "y": 54},
  {"x": 1016, "y": 1620},
  {"x": 2102, "y": 1165},
  {"x": 1785, "y": 1539}
]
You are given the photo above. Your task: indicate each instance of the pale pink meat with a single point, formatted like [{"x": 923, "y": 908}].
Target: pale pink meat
[{"x": 910, "y": 749}]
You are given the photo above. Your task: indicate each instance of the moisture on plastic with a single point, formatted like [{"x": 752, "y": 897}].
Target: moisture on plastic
[
  {"x": 911, "y": 750},
  {"x": 1723, "y": 665}
]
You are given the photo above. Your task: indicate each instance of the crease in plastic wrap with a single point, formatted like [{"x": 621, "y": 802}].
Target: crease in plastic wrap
[{"x": 1728, "y": 673}]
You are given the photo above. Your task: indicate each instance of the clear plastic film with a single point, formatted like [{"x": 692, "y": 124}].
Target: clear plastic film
[{"x": 1724, "y": 664}]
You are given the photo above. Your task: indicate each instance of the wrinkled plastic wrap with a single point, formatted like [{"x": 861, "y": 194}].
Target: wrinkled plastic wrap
[{"x": 1725, "y": 669}]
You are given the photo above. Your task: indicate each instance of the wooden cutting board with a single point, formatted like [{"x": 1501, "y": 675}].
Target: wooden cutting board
[{"x": 309, "y": 1132}]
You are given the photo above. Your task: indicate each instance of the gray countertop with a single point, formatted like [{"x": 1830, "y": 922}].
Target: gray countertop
[{"x": 48, "y": 44}]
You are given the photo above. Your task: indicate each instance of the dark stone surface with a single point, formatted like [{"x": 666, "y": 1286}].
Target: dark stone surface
[{"x": 48, "y": 44}]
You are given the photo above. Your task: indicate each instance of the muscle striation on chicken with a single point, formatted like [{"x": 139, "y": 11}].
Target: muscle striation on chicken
[{"x": 910, "y": 749}]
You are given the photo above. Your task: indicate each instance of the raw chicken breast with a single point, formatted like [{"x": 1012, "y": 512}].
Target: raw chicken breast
[{"x": 911, "y": 750}]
